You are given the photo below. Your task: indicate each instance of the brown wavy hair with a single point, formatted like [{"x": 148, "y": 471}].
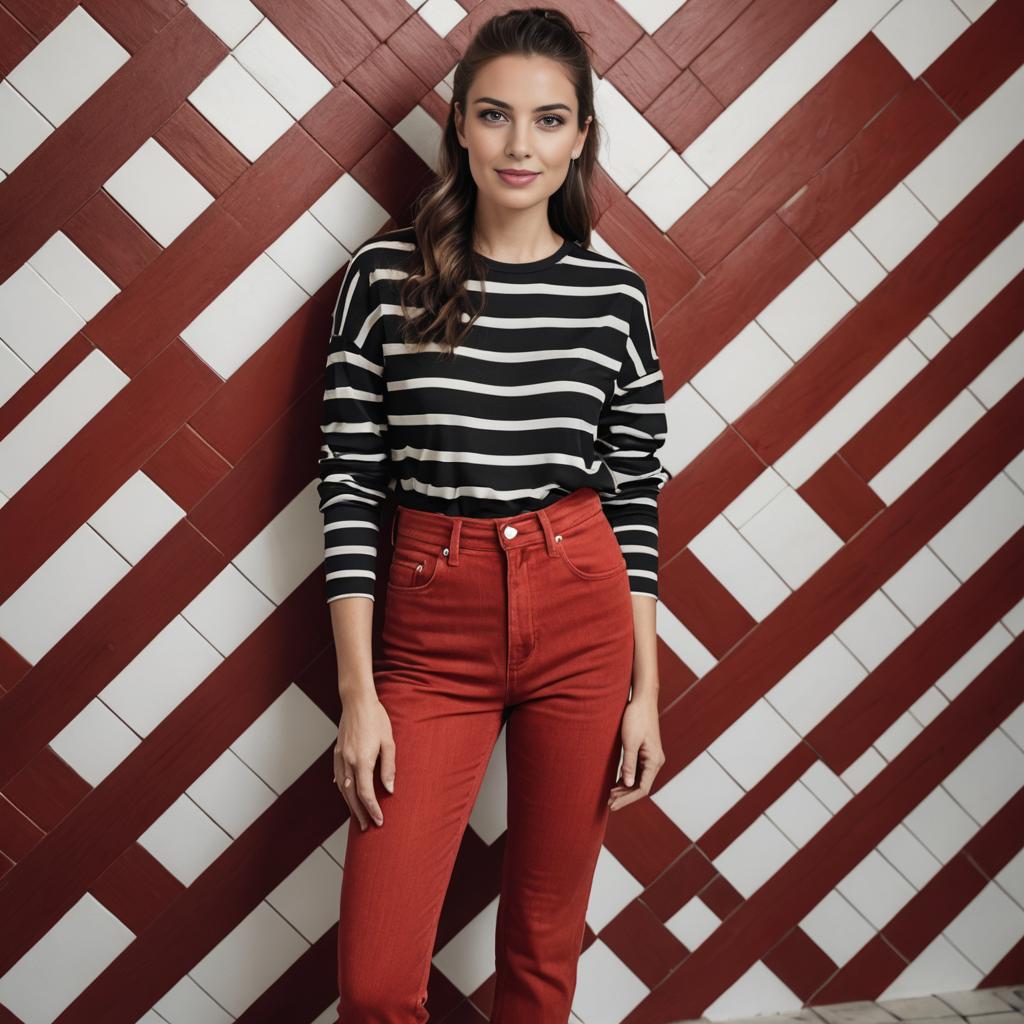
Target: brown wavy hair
[{"x": 444, "y": 258}]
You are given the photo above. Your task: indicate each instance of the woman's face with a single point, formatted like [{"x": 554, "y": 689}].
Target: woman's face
[{"x": 521, "y": 114}]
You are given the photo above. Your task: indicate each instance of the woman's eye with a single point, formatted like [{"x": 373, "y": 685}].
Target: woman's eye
[{"x": 547, "y": 117}]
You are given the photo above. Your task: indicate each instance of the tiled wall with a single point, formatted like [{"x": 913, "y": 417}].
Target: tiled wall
[{"x": 826, "y": 201}]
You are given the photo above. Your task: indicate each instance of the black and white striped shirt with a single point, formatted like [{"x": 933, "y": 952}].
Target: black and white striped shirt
[{"x": 557, "y": 386}]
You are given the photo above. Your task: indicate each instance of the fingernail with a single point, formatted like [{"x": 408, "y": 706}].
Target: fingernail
[
  {"x": 378, "y": 821},
  {"x": 390, "y": 785}
]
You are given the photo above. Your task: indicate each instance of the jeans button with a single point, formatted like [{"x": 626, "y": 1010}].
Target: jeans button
[{"x": 510, "y": 532}]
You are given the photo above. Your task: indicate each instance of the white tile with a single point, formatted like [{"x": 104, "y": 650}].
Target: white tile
[
  {"x": 920, "y": 586},
  {"x": 1013, "y": 726},
  {"x": 985, "y": 523},
  {"x": 816, "y": 685},
  {"x": 68, "y": 65},
  {"x": 173, "y": 664},
  {"x": 185, "y": 840},
  {"x": 467, "y": 958},
  {"x": 739, "y": 373},
  {"x": 963, "y": 159},
  {"x": 228, "y": 610},
  {"x": 613, "y": 889},
  {"x": 974, "y": 9},
  {"x": 929, "y": 706},
  {"x": 898, "y": 736},
  {"x": 927, "y": 447},
  {"x": 241, "y": 109},
  {"x": 827, "y": 786},
  {"x": 187, "y": 1003},
  {"x": 64, "y": 589},
  {"x": 94, "y": 742},
  {"x": 929, "y": 337},
  {"x": 282, "y": 69},
  {"x": 864, "y": 770},
  {"x": 940, "y": 967},
  {"x": 34, "y": 320},
  {"x": 1011, "y": 875},
  {"x": 683, "y": 643},
  {"x": 792, "y": 538},
  {"x": 761, "y": 491},
  {"x": 874, "y": 630},
  {"x": 606, "y": 989},
  {"x": 304, "y": 897},
  {"x": 729, "y": 557},
  {"x": 24, "y": 127},
  {"x": 876, "y": 889},
  {"x": 805, "y": 311},
  {"x": 858, "y": 406},
  {"x": 916, "y": 32},
  {"x": 57, "y": 418},
  {"x": 852, "y": 265},
  {"x": 754, "y": 856},
  {"x": 909, "y": 856},
  {"x": 693, "y": 923},
  {"x": 349, "y": 212},
  {"x": 692, "y": 426},
  {"x": 287, "y": 549},
  {"x": 781, "y": 85},
  {"x": 243, "y": 316},
  {"x": 756, "y": 992},
  {"x": 84, "y": 941},
  {"x": 286, "y": 739},
  {"x": 651, "y": 14},
  {"x": 698, "y": 796},
  {"x": 231, "y": 794},
  {"x": 442, "y": 15},
  {"x": 837, "y": 928},
  {"x": 308, "y": 253},
  {"x": 489, "y": 816},
  {"x": 754, "y": 744},
  {"x": 136, "y": 517},
  {"x": 249, "y": 959},
  {"x": 422, "y": 134},
  {"x": 667, "y": 190},
  {"x": 630, "y": 146},
  {"x": 158, "y": 192},
  {"x": 73, "y": 276},
  {"x": 1001, "y": 375},
  {"x": 941, "y": 825},
  {"x": 231, "y": 20},
  {"x": 894, "y": 226},
  {"x": 14, "y": 374},
  {"x": 988, "y": 928},
  {"x": 988, "y": 777},
  {"x": 798, "y": 814}
]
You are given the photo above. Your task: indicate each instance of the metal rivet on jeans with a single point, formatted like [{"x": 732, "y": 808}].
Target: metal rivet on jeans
[
  {"x": 445, "y": 552},
  {"x": 558, "y": 538},
  {"x": 419, "y": 568}
]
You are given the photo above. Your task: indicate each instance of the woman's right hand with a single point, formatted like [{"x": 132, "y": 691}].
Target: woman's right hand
[{"x": 364, "y": 732}]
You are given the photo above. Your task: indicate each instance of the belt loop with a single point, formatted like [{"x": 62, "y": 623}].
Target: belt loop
[
  {"x": 549, "y": 534},
  {"x": 453, "y": 543}
]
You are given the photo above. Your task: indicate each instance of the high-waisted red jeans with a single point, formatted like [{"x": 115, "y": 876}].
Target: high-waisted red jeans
[{"x": 524, "y": 622}]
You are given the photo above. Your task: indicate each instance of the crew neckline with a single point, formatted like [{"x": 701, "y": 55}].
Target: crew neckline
[{"x": 523, "y": 268}]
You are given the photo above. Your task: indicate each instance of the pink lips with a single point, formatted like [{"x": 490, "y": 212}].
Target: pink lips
[{"x": 513, "y": 178}]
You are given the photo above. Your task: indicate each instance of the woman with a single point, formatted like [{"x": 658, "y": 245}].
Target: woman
[{"x": 503, "y": 378}]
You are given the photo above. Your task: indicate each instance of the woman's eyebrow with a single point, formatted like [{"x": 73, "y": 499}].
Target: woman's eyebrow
[{"x": 536, "y": 110}]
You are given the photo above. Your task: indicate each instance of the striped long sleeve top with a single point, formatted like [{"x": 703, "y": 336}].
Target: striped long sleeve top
[{"x": 557, "y": 386}]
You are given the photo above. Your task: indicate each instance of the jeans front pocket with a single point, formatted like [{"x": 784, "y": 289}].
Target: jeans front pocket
[{"x": 590, "y": 549}]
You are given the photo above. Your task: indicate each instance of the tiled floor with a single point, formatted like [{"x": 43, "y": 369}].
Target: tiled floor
[{"x": 981, "y": 1006}]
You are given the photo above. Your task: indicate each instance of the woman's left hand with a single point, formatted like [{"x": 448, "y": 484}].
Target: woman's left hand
[{"x": 641, "y": 740}]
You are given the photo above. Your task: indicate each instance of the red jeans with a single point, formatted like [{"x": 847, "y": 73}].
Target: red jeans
[{"x": 525, "y": 622}]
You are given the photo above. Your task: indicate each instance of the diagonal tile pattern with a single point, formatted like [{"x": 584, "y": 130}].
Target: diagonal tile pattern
[{"x": 824, "y": 198}]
